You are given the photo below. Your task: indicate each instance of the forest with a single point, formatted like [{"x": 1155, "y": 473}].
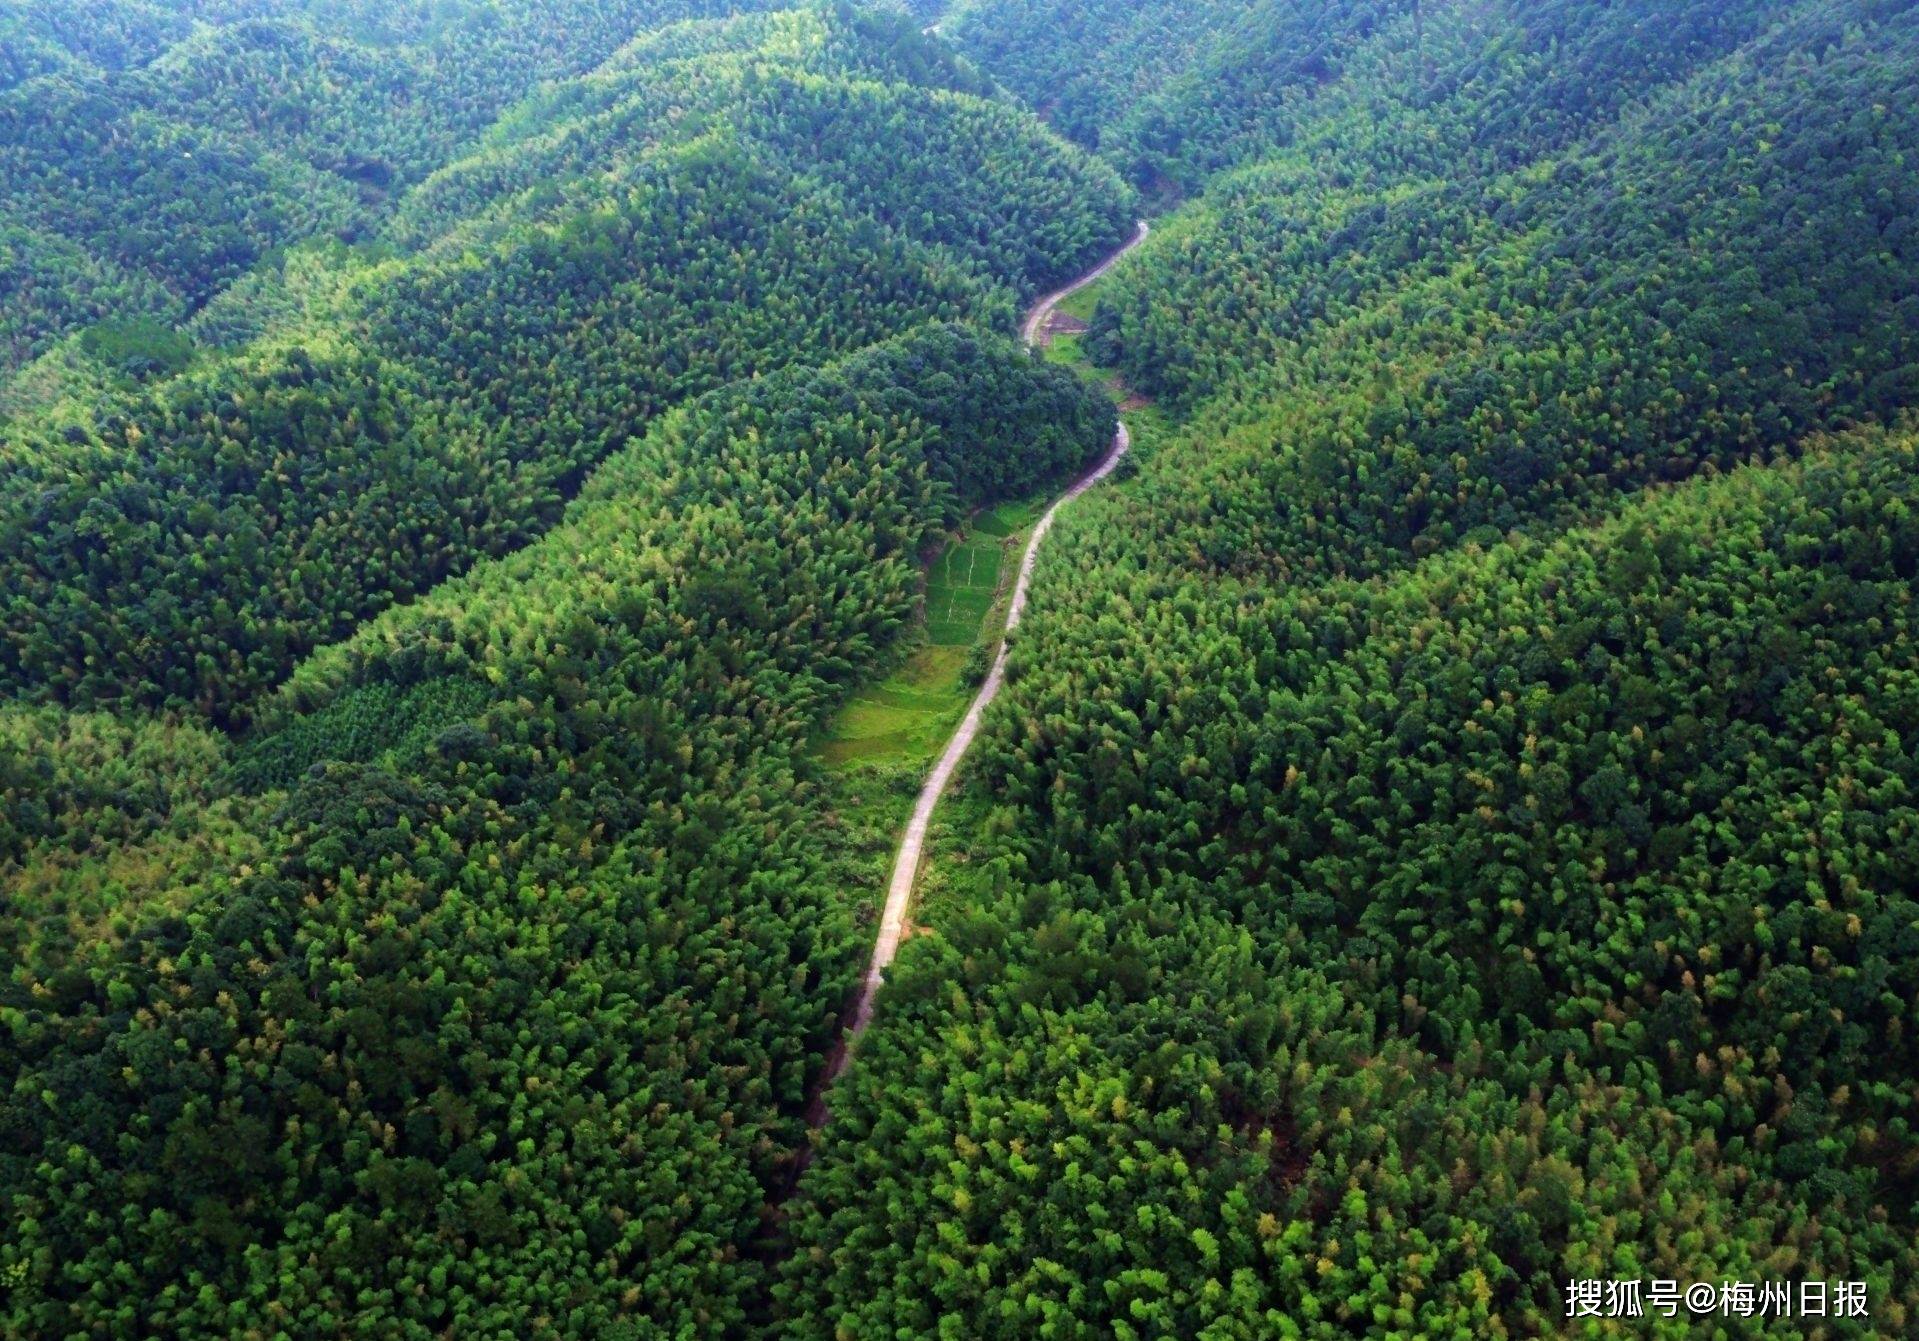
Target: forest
[
  {"x": 1456, "y": 831},
  {"x": 416, "y": 413},
  {"x": 1450, "y": 828}
]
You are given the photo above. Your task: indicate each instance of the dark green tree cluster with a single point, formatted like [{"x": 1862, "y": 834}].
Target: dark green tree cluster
[
  {"x": 1173, "y": 93},
  {"x": 172, "y": 204},
  {"x": 52, "y": 285},
  {"x": 170, "y": 146},
  {"x": 1406, "y": 171},
  {"x": 509, "y": 1032},
  {"x": 81, "y": 779}
]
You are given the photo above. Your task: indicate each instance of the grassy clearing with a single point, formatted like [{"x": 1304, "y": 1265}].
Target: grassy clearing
[
  {"x": 1067, "y": 349},
  {"x": 908, "y": 716},
  {"x": 960, "y": 589},
  {"x": 1009, "y": 519},
  {"x": 1081, "y": 304}
]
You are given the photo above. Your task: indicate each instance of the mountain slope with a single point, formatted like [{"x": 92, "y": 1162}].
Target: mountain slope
[
  {"x": 528, "y": 999},
  {"x": 1375, "y": 957},
  {"x": 180, "y": 142},
  {"x": 435, "y": 918},
  {"x": 432, "y": 409},
  {"x": 1449, "y": 828}
]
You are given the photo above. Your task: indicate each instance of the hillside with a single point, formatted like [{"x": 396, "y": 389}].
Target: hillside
[
  {"x": 428, "y": 410},
  {"x": 532, "y": 961},
  {"x": 1174, "y": 93},
  {"x": 413, "y": 650},
  {"x": 1419, "y": 944},
  {"x": 1451, "y": 827},
  {"x": 153, "y": 151},
  {"x": 502, "y": 510}
]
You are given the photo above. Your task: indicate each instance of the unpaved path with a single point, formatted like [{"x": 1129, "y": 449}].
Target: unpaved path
[
  {"x": 1036, "y": 318},
  {"x": 899, "y": 893}
]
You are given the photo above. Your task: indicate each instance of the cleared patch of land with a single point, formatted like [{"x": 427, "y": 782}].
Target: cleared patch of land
[{"x": 907, "y": 716}]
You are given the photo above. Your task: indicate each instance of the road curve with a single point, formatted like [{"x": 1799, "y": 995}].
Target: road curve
[
  {"x": 899, "y": 892},
  {"x": 1043, "y": 309}
]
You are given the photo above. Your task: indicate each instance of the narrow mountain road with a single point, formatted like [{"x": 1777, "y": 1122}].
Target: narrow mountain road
[{"x": 899, "y": 893}]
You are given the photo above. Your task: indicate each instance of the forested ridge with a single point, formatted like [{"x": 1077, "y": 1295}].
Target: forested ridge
[
  {"x": 154, "y": 150},
  {"x": 441, "y": 407},
  {"x": 1449, "y": 827}
]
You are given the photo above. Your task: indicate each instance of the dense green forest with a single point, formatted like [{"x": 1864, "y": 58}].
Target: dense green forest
[
  {"x": 426, "y": 410},
  {"x": 1164, "y": 87},
  {"x": 1174, "y": 92},
  {"x": 1450, "y": 827},
  {"x": 1454, "y": 831},
  {"x": 1420, "y": 945},
  {"x": 152, "y": 151},
  {"x": 510, "y": 998}
]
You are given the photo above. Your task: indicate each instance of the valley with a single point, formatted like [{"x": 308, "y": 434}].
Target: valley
[{"x": 602, "y": 735}]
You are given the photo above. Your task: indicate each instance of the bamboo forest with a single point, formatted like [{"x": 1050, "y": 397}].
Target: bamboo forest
[{"x": 1175, "y": 670}]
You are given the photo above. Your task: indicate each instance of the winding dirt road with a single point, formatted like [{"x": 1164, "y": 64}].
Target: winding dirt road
[{"x": 899, "y": 893}]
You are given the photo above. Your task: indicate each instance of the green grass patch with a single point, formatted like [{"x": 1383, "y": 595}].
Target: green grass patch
[
  {"x": 1081, "y": 304},
  {"x": 908, "y": 716},
  {"x": 1011, "y": 518},
  {"x": 1067, "y": 350},
  {"x": 960, "y": 587}
]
